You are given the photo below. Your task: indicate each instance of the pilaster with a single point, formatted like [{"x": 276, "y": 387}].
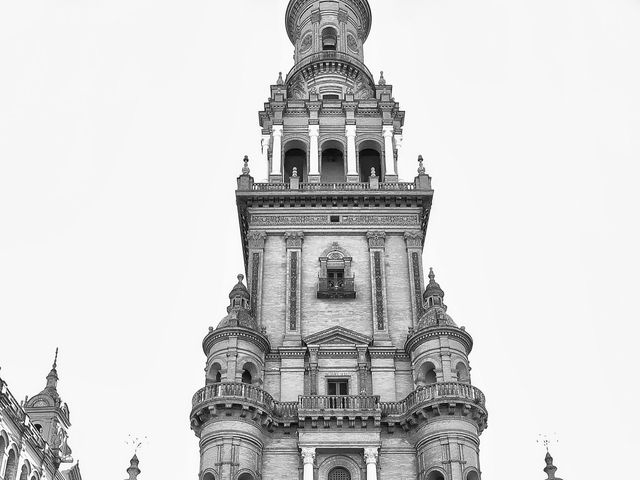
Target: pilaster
[
  {"x": 378, "y": 288},
  {"x": 294, "y": 242},
  {"x": 275, "y": 175},
  {"x": 256, "y": 241},
  {"x": 414, "y": 241}
]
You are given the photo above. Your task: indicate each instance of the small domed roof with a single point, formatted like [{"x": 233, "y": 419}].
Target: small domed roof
[
  {"x": 435, "y": 316},
  {"x": 239, "y": 290},
  {"x": 433, "y": 288},
  {"x": 238, "y": 311}
]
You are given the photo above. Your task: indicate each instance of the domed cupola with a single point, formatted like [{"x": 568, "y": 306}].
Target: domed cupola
[
  {"x": 238, "y": 311},
  {"x": 435, "y": 310}
]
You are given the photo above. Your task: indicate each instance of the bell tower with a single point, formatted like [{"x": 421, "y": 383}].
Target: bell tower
[{"x": 335, "y": 361}]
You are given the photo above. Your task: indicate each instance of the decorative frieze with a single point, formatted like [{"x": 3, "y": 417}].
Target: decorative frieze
[
  {"x": 350, "y": 220},
  {"x": 417, "y": 287},
  {"x": 376, "y": 239}
]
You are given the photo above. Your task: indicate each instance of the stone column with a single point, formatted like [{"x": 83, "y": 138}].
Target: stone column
[
  {"x": 371, "y": 458},
  {"x": 378, "y": 287},
  {"x": 352, "y": 168},
  {"x": 276, "y": 155},
  {"x": 314, "y": 154},
  {"x": 308, "y": 458},
  {"x": 414, "y": 253},
  {"x": 266, "y": 139},
  {"x": 254, "y": 280},
  {"x": 294, "y": 270},
  {"x": 362, "y": 370},
  {"x": 389, "y": 160},
  {"x": 313, "y": 369}
]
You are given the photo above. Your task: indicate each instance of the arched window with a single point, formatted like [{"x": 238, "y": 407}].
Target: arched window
[
  {"x": 215, "y": 374},
  {"x": 295, "y": 158},
  {"x": 332, "y": 166},
  {"x": 435, "y": 475},
  {"x": 208, "y": 476},
  {"x": 249, "y": 373},
  {"x": 427, "y": 374},
  {"x": 462, "y": 373},
  {"x": 246, "y": 377},
  {"x": 473, "y": 475},
  {"x": 339, "y": 473},
  {"x": 246, "y": 476},
  {"x": 24, "y": 474},
  {"x": 329, "y": 38},
  {"x": 3, "y": 445},
  {"x": 10, "y": 470},
  {"x": 369, "y": 159}
]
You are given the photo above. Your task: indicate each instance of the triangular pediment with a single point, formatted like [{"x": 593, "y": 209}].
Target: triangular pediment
[{"x": 337, "y": 336}]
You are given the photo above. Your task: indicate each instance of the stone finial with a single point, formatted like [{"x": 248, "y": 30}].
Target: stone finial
[
  {"x": 421, "y": 169},
  {"x": 550, "y": 469},
  {"x": 245, "y": 168},
  {"x": 382, "y": 81},
  {"x": 294, "y": 172},
  {"x": 133, "y": 469},
  {"x": 280, "y": 81},
  {"x": 373, "y": 171}
]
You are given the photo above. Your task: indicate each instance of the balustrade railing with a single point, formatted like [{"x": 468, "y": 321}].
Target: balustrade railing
[
  {"x": 333, "y": 186},
  {"x": 433, "y": 392},
  {"x": 338, "y": 402},
  {"x": 240, "y": 391},
  {"x": 329, "y": 287}
]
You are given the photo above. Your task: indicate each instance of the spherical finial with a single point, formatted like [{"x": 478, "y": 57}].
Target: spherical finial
[
  {"x": 240, "y": 278},
  {"x": 280, "y": 81},
  {"x": 382, "y": 81},
  {"x": 294, "y": 172},
  {"x": 373, "y": 171},
  {"x": 432, "y": 275},
  {"x": 245, "y": 168},
  {"x": 421, "y": 169}
]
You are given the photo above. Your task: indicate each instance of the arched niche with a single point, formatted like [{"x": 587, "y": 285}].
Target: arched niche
[
  {"x": 369, "y": 157},
  {"x": 472, "y": 475},
  {"x": 295, "y": 156},
  {"x": 329, "y": 38},
  {"x": 462, "y": 372},
  {"x": 208, "y": 476},
  {"x": 3, "y": 447},
  {"x": 12, "y": 465},
  {"x": 250, "y": 374},
  {"x": 426, "y": 374},
  {"x": 436, "y": 475},
  {"x": 214, "y": 375},
  {"x": 340, "y": 461},
  {"x": 332, "y": 163},
  {"x": 246, "y": 476}
]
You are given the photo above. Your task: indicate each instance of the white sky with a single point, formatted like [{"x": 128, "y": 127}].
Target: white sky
[{"x": 122, "y": 128}]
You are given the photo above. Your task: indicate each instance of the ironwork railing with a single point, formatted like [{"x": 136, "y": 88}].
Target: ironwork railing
[{"x": 336, "y": 287}]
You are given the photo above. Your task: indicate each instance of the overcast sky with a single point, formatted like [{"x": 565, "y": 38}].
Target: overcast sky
[{"x": 123, "y": 124}]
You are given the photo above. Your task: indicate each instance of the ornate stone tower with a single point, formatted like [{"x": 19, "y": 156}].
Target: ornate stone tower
[{"x": 335, "y": 362}]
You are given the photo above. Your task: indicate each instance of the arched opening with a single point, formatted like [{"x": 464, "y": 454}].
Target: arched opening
[
  {"x": 473, "y": 475},
  {"x": 295, "y": 158},
  {"x": 427, "y": 374},
  {"x": 38, "y": 427},
  {"x": 435, "y": 475},
  {"x": 329, "y": 38},
  {"x": 24, "y": 473},
  {"x": 208, "y": 476},
  {"x": 369, "y": 159},
  {"x": 10, "y": 470},
  {"x": 462, "y": 373},
  {"x": 331, "y": 96},
  {"x": 215, "y": 374},
  {"x": 246, "y": 476},
  {"x": 249, "y": 373},
  {"x": 3, "y": 445},
  {"x": 332, "y": 165},
  {"x": 339, "y": 473}
]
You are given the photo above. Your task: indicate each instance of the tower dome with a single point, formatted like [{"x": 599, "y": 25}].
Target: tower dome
[{"x": 238, "y": 311}]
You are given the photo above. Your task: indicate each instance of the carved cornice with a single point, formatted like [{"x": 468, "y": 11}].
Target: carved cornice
[
  {"x": 425, "y": 334},
  {"x": 223, "y": 334}
]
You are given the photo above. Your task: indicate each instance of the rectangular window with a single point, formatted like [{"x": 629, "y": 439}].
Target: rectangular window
[{"x": 338, "y": 387}]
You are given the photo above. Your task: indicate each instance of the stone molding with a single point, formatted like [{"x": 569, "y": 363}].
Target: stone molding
[
  {"x": 294, "y": 239},
  {"x": 414, "y": 239},
  {"x": 257, "y": 239},
  {"x": 423, "y": 335},
  {"x": 376, "y": 239}
]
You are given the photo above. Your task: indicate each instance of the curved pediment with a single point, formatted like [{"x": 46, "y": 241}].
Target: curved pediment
[{"x": 336, "y": 336}]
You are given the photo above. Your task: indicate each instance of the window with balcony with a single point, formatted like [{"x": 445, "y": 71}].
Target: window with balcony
[
  {"x": 335, "y": 279},
  {"x": 338, "y": 387}
]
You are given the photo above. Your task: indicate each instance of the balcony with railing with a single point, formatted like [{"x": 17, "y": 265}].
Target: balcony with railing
[
  {"x": 332, "y": 287},
  {"x": 432, "y": 394}
]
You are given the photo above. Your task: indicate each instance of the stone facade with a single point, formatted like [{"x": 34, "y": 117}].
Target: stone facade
[
  {"x": 34, "y": 435},
  {"x": 337, "y": 360}
]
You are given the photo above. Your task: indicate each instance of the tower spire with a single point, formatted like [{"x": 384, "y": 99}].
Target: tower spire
[
  {"x": 550, "y": 469},
  {"x": 52, "y": 378},
  {"x": 133, "y": 469}
]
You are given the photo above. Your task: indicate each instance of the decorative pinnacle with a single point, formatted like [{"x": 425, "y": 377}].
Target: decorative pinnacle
[
  {"x": 294, "y": 172},
  {"x": 421, "y": 169},
  {"x": 55, "y": 360},
  {"x": 240, "y": 278},
  {"x": 373, "y": 171},
  {"x": 245, "y": 168},
  {"x": 382, "y": 81},
  {"x": 432, "y": 276},
  {"x": 280, "y": 80}
]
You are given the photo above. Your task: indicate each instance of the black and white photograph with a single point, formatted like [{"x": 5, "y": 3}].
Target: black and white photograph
[{"x": 319, "y": 239}]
